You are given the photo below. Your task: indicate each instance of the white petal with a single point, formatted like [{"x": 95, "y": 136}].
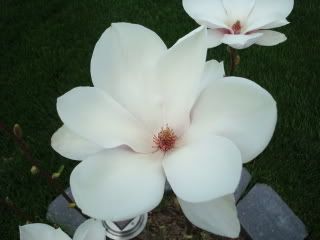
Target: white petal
[
  {"x": 121, "y": 55},
  {"x": 90, "y": 230},
  {"x": 94, "y": 115},
  {"x": 39, "y": 231},
  {"x": 212, "y": 72},
  {"x": 271, "y": 38},
  {"x": 206, "y": 11},
  {"x": 120, "y": 63},
  {"x": 272, "y": 21},
  {"x": 266, "y": 8},
  {"x": 72, "y": 146},
  {"x": 239, "y": 110},
  {"x": 238, "y": 10},
  {"x": 214, "y": 37},
  {"x": 118, "y": 184},
  {"x": 218, "y": 216},
  {"x": 204, "y": 169},
  {"x": 240, "y": 41},
  {"x": 276, "y": 24},
  {"x": 178, "y": 74}
]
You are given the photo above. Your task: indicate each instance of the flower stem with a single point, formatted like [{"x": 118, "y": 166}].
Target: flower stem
[
  {"x": 27, "y": 153},
  {"x": 234, "y": 60}
]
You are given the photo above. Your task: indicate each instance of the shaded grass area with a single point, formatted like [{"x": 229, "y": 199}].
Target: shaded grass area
[{"x": 45, "y": 49}]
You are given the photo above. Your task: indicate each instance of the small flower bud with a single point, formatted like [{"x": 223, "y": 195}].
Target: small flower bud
[
  {"x": 17, "y": 131},
  {"x": 72, "y": 205},
  {"x": 34, "y": 170},
  {"x": 57, "y": 174}
]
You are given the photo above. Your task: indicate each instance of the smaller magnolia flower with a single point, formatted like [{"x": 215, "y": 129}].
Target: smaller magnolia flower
[
  {"x": 241, "y": 23},
  {"x": 89, "y": 230}
]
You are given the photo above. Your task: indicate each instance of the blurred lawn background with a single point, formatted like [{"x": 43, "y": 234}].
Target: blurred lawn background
[{"x": 45, "y": 49}]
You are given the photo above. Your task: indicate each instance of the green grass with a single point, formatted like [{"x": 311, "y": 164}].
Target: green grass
[{"x": 45, "y": 49}]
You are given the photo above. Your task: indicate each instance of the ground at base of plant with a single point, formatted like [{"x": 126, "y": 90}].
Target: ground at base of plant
[{"x": 167, "y": 222}]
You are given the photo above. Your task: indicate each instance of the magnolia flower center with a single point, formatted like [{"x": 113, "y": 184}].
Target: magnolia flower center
[
  {"x": 165, "y": 140},
  {"x": 236, "y": 27}
]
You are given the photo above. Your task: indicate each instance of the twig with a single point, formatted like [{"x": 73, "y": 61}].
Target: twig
[
  {"x": 9, "y": 204},
  {"x": 234, "y": 60},
  {"x": 27, "y": 153}
]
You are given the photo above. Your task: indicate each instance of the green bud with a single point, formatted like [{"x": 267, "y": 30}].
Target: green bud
[
  {"x": 57, "y": 174},
  {"x": 34, "y": 170},
  {"x": 17, "y": 131}
]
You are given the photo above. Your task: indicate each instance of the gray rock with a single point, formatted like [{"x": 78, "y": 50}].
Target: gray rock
[
  {"x": 243, "y": 184},
  {"x": 265, "y": 216},
  {"x": 67, "y": 218}
]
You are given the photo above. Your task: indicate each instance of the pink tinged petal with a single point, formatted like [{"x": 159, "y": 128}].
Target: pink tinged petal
[
  {"x": 240, "y": 41},
  {"x": 118, "y": 184},
  {"x": 120, "y": 63},
  {"x": 271, "y": 38},
  {"x": 239, "y": 110},
  {"x": 39, "y": 231},
  {"x": 204, "y": 169},
  {"x": 177, "y": 76},
  {"x": 90, "y": 230},
  {"x": 94, "y": 115},
  {"x": 214, "y": 24},
  {"x": 213, "y": 71},
  {"x": 218, "y": 216},
  {"x": 210, "y": 13},
  {"x": 266, "y": 8},
  {"x": 238, "y": 10},
  {"x": 70, "y": 145},
  {"x": 214, "y": 37}
]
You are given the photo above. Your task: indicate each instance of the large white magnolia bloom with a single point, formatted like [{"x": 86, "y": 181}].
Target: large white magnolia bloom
[
  {"x": 157, "y": 113},
  {"x": 241, "y": 23},
  {"x": 89, "y": 230}
]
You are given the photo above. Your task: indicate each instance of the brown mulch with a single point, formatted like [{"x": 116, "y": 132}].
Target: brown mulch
[{"x": 167, "y": 222}]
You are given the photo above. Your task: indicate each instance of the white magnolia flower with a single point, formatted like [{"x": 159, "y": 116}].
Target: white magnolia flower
[
  {"x": 157, "y": 113},
  {"x": 241, "y": 23},
  {"x": 89, "y": 230}
]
